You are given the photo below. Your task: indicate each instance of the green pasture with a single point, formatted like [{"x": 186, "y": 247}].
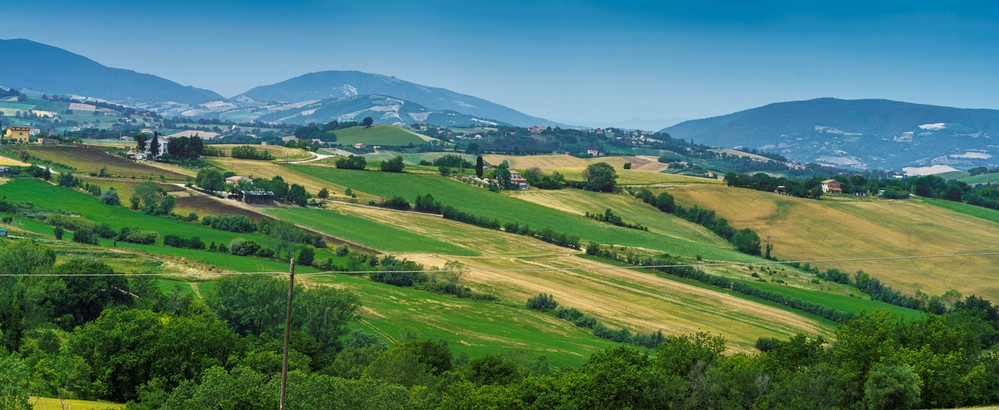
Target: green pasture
[{"x": 481, "y": 202}]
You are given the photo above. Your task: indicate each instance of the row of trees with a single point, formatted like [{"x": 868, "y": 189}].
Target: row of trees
[
  {"x": 745, "y": 240},
  {"x": 930, "y": 186}
]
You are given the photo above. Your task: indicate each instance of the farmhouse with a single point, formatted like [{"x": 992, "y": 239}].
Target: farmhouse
[
  {"x": 17, "y": 133},
  {"x": 593, "y": 152},
  {"x": 832, "y": 186},
  {"x": 518, "y": 180},
  {"x": 163, "y": 146},
  {"x": 360, "y": 145},
  {"x": 257, "y": 197}
]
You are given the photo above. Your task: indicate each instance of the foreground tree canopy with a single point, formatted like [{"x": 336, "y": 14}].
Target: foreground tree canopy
[{"x": 123, "y": 339}]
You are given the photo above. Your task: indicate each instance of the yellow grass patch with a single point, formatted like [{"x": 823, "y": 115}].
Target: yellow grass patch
[
  {"x": 46, "y": 403},
  {"x": 802, "y": 229},
  {"x": 617, "y": 296},
  {"x": 4, "y": 161}
]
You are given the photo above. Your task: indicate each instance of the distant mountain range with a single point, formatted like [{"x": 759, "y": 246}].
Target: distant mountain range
[
  {"x": 52, "y": 70},
  {"x": 339, "y": 84},
  {"x": 330, "y": 95},
  {"x": 859, "y": 134}
]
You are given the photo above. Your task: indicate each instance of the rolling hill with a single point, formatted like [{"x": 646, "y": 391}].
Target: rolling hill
[
  {"x": 67, "y": 73},
  {"x": 338, "y": 84},
  {"x": 804, "y": 229},
  {"x": 860, "y": 134}
]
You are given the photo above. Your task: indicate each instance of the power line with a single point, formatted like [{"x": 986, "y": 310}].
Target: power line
[{"x": 536, "y": 269}]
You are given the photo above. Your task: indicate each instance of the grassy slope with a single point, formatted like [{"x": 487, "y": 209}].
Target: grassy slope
[
  {"x": 481, "y": 202},
  {"x": 469, "y": 326},
  {"x": 365, "y": 231},
  {"x": 981, "y": 178},
  {"x": 48, "y": 196},
  {"x": 377, "y": 135},
  {"x": 987, "y": 214},
  {"x": 851, "y": 228}
]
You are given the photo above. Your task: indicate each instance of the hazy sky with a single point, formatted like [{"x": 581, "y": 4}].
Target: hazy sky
[{"x": 576, "y": 61}]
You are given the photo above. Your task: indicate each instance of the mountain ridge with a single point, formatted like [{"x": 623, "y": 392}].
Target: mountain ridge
[
  {"x": 68, "y": 73},
  {"x": 860, "y": 134},
  {"x": 322, "y": 85}
]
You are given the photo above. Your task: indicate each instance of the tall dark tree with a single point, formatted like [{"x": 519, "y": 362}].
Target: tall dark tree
[
  {"x": 600, "y": 177},
  {"x": 154, "y": 146},
  {"x": 479, "y": 165},
  {"x": 140, "y": 141}
]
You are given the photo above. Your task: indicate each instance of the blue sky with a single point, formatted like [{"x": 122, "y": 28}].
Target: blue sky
[{"x": 574, "y": 61}]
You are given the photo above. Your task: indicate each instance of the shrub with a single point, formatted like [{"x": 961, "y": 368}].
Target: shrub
[
  {"x": 180, "y": 242},
  {"x": 133, "y": 235},
  {"x": 351, "y": 162},
  {"x": 86, "y": 235},
  {"x": 342, "y": 250},
  {"x": 243, "y": 247},
  {"x": 396, "y": 202},
  {"x": 58, "y": 231},
  {"x": 110, "y": 197},
  {"x": 231, "y": 223},
  {"x": 306, "y": 256},
  {"x": 248, "y": 152},
  {"x": 542, "y": 301},
  {"x": 393, "y": 165}
]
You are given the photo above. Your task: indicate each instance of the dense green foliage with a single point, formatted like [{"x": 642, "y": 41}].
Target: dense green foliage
[
  {"x": 171, "y": 351},
  {"x": 248, "y": 152},
  {"x": 600, "y": 177},
  {"x": 351, "y": 162},
  {"x": 393, "y": 165}
]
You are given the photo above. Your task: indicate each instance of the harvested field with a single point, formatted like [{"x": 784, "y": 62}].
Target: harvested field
[
  {"x": 87, "y": 158},
  {"x": 836, "y": 228}
]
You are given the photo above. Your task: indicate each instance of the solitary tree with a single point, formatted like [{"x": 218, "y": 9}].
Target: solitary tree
[
  {"x": 367, "y": 121},
  {"x": 479, "y": 166},
  {"x": 600, "y": 177}
]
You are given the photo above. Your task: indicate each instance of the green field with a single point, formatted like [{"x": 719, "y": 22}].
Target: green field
[
  {"x": 385, "y": 135},
  {"x": 987, "y": 214},
  {"x": 48, "y": 196},
  {"x": 365, "y": 232},
  {"x": 836, "y": 301},
  {"x": 471, "y": 327},
  {"x": 981, "y": 178},
  {"x": 481, "y": 202}
]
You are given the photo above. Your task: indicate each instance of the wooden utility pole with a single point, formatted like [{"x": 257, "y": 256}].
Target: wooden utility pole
[{"x": 287, "y": 334}]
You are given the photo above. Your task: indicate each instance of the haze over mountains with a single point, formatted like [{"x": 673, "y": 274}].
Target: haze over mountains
[{"x": 860, "y": 134}]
